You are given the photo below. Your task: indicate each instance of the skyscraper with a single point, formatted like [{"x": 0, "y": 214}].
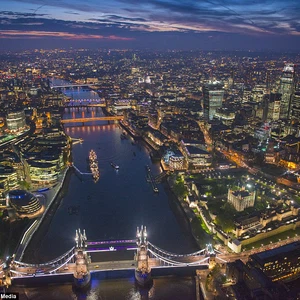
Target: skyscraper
[
  {"x": 287, "y": 83},
  {"x": 295, "y": 105},
  {"x": 213, "y": 93}
]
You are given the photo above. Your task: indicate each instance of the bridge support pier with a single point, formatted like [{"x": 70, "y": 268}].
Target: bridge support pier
[
  {"x": 143, "y": 270},
  {"x": 5, "y": 272},
  {"x": 82, "y": 275}
]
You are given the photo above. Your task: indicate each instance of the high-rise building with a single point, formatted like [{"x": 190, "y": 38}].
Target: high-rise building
[
  {"x": 273, "y": 106},
  {"x": 213, "y": 93},
  {"x": 295, "y": 105},
  {"x": 287, "y": 84}
]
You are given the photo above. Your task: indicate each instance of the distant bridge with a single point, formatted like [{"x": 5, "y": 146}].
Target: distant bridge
[
  {"x": 85, "y": 120},
  {"x": 85, "y": 103},
  {"x": 73, "y": 85},
  {"x": 71, "y": 105}
]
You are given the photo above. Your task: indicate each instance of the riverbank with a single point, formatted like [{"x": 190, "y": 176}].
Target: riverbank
[
  {"x": 31, "y": 249},
  {"x": 133, "y": 134},
  {"x": 180, "y": 214},
  {"x": 200, "y": 237}
]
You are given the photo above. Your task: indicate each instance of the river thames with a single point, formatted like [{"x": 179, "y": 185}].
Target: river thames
[{"x": 112, "y": 208}]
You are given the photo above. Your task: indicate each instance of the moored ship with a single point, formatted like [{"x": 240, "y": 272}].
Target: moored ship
[
  {"x": 94, "y": 165},
  {"x": 92, "y": 155}
]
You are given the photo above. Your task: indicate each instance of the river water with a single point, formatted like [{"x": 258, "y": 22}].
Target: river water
[{"x": 112, "y": 208}]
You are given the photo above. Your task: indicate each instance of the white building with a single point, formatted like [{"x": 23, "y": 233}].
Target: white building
[{"x": 241, "y": 198}]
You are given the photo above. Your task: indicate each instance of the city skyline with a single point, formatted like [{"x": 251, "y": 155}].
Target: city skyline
[{"x": 156, "y": 24}]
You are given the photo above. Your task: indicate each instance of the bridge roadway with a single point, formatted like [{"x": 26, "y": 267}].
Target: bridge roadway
[
  {"x": 73, "y": 85},
  {"x": 103, "y": 266},
  {"x": 84, "y": 120},
  {"x": 70, "y": 268},
  {"x": 84, "y": 105}
]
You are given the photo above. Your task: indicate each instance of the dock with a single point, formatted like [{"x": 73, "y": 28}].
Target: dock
[{"x": 151, "y": 179}]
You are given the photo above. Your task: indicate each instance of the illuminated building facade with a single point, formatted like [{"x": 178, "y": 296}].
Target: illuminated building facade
[
  {"x": 213, "y": 93},
  {"x": 8, "y": 179},
  {"x": 295, "y": 105},
  {"x": 196, "y": 157},
  {"x": 43, "y": 174},
  {"x": 281, "y": 263},
  {"x": 274, "y": 107},
  {"x": 174, "y": 159},
  {"x": 15, "y": 121},
  {"x": 241, "y": 198},
  {"x": 286, "y": 89},
  {"x": 252, "y": 283},
  {"x": 24, "y": 203},
  {"x": 227, "y": 116}
]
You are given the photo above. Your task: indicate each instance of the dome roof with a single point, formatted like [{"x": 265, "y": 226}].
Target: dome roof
[
  {"x": 24, "y": 202},
  {"x": 20, "y": 197}
]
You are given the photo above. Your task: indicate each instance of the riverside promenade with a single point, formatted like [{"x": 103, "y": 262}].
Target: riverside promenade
[{"x": 50, "y": 195}]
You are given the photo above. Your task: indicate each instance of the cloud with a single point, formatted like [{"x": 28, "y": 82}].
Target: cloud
[
  {"x": 15, "y": 15},
  {"x": 139, "y": 19},
  {"x": 39, "y": 34}
]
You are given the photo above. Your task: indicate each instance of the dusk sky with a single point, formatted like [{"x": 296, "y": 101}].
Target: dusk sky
[{"x": 154, "y": 24}]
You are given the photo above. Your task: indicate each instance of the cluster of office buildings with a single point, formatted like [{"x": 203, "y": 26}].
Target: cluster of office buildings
[{"x": 263, "y": 275}]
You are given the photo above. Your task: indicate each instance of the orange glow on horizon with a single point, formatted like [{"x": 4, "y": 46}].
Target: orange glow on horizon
[{"x": 65, "y": 35}]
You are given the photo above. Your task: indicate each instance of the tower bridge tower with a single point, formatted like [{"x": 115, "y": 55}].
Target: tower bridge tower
[
  {"x": 5, "y": 274},
  {"x": 212, "y": 255},
  {"x": 143, "y": 270},
  {"x": 82, "y": 274}
]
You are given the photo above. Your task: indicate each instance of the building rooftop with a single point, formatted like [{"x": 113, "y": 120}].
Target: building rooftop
[
  {"x": 195, "y": 150},
  {"x": 242, "y": 193},
  {"x": 277, "y": 252}
]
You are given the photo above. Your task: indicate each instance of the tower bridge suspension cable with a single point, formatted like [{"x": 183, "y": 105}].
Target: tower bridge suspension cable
[
  {"x": 155, "y": 248},
  {"x": 48, "y": 271},
  {"x": 51, "y": 262},
  {"x": 174, "y": 262}
]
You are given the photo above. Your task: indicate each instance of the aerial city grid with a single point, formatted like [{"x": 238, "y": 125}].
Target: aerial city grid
[{"x": 149, "y": 149}]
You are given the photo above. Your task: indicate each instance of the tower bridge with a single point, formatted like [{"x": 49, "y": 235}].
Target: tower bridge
[{"x": 146, "y": 258}]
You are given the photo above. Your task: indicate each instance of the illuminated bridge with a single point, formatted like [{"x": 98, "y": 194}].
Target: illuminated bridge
[
  {"x": 71, "y": 85},
  {"x": 145, "y": 258},
  {"x": 80, "y": 105},
  {"x": 91, "y": 119},
  {"x": 86, "y": 103}
]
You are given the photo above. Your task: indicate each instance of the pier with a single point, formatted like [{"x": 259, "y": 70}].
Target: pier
[{"x": 151, "y": 179}]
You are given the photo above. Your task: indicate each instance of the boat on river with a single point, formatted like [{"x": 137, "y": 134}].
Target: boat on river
[
  {"x": 114, "y": 166},
  {"x": 94, "y": 165}
]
